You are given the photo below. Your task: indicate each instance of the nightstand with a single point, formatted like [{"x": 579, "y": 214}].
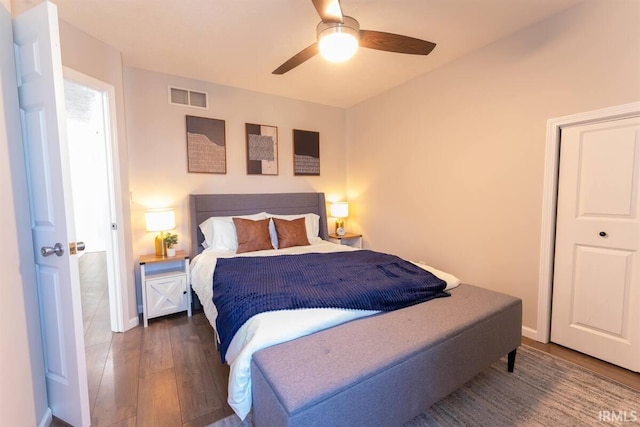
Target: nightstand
[
  {"x": 349, "y": 239},
  {"x": 165, "y": 285}
]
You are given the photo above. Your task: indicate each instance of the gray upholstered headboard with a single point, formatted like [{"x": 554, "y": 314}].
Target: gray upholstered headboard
[{"x": 203, "y": 206}]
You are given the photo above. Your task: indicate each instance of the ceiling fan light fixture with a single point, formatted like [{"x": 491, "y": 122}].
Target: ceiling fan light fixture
[{"x": 338, "y": 42}]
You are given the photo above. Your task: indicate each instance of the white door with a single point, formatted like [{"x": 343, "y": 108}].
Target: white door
[
  {"x": 596, "y": 287},
  {"x": 41, "y": 92}
]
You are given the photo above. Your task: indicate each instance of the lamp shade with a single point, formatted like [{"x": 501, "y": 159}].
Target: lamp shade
[
  {"x": 160, "y": 220},
  {"x": 338, "y": 42},
  {"x": 339, "y": 209}
]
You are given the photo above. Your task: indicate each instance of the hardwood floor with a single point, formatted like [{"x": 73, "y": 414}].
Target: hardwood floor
[
  {"x": 170, "y": 373},
  {"x": 616, "y": 373}
]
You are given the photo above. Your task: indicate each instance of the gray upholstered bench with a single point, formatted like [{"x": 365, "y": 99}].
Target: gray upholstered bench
[{"x": 386, "y": 369}]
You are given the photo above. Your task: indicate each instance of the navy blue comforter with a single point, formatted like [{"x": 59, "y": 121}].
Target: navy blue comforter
[{"x": 360, "y": 280}]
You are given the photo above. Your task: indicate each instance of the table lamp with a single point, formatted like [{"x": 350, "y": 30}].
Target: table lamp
[
  {"x": 161, "y": 220},
  {"x": 339, "y": 210}
]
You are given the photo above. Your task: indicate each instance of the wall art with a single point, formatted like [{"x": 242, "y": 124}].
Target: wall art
[
  {"x": 262, "y": 149},
  {"x": 206, "y": 145},
  {"x": 306, "y": 152}
]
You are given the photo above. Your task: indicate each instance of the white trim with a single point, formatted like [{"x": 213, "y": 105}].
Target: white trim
[
  {"x": 133, "y": 322},
  {"x": 47, "y": 418},
  {"x": 549, "y": 200},
  {"x": 118, "y": 297},
  {"x": 529, "y": 333}
]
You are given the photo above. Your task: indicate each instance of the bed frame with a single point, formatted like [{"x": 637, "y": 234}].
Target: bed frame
[{"x": 382, "y": 370}]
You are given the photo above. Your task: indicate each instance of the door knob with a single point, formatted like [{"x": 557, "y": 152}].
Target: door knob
[
  {"x": 602, "y": 234},
  {"x": 80, "y": 246},
  {"x": 58, "y": 249}
]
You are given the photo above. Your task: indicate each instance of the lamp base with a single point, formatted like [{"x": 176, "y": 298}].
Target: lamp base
[
  {"x": 161, "y": 249},
  {"x": 340, "y": 227}
]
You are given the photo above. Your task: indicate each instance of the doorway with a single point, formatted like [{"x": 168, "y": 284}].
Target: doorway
[
  {"x": 552, "y": 162},
  {"x": 90, "y": 140}
]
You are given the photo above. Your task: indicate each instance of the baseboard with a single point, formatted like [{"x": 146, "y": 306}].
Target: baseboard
[
  {"x": 133, "y": 322},
  {"x": 47, "y": 419},
  {"x": 530, "y": 333}
]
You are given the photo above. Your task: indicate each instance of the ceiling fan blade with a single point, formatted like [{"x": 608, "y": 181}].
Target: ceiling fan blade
[
  {"x": 297, "y": 59},
  {"x": 329, "y": 10},
  {"x": 395, "y": 43}
]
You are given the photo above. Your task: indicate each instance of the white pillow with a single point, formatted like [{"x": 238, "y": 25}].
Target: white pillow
[
  {"x": 311, "y": 223},
  {"x": 220, "y": 232}
]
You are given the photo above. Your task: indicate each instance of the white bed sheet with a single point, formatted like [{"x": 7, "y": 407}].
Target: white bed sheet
[{"x": 266, "y": 329}]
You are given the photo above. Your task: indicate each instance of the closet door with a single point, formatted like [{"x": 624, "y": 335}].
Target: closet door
[{"x": 596, "y": 288}]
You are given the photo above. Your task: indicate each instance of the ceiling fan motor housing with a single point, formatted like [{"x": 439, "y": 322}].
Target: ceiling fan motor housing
[{"x": 337, "y": 42}]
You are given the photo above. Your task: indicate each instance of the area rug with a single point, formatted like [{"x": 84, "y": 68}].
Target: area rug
[{"x": 542, "y": 391}]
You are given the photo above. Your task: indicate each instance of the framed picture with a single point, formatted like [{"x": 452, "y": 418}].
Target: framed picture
[
  {"x": 306, "y": 152},
  {"x": 262, "y": 149},
  {"x": 206, "y": 145}
]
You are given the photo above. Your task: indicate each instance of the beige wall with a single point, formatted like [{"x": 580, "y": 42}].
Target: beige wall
[
  {"x": 449, "y": 167},
  {"x": 158, "y": 155},
  {"x": 23, "y": 396},
  {"x": 93, "y": 58}
]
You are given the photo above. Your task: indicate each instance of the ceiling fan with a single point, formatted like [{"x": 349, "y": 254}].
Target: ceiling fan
[{"x": 344, "y": 32}]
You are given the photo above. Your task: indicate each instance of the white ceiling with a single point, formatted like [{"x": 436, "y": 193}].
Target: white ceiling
[{"x": 240, "y": 42}]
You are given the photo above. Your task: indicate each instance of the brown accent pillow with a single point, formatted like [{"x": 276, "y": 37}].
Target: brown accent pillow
[
  {"x": 291, "y": 233},
  {"x": 252, "y": 235}
]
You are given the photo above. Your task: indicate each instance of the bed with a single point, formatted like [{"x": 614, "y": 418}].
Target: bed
[{"x": 292, "y": 378}]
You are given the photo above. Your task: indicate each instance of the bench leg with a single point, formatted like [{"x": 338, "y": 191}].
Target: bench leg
[{"x": 511, "y": 360}]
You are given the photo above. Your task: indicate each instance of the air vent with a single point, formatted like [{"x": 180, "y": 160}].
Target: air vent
[{"x": 186, "y": 97}]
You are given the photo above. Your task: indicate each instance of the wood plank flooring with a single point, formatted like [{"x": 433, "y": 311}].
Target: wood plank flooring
[
  {"x": 170, "y": 373},
  {"x": 616, "y": 373}
]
